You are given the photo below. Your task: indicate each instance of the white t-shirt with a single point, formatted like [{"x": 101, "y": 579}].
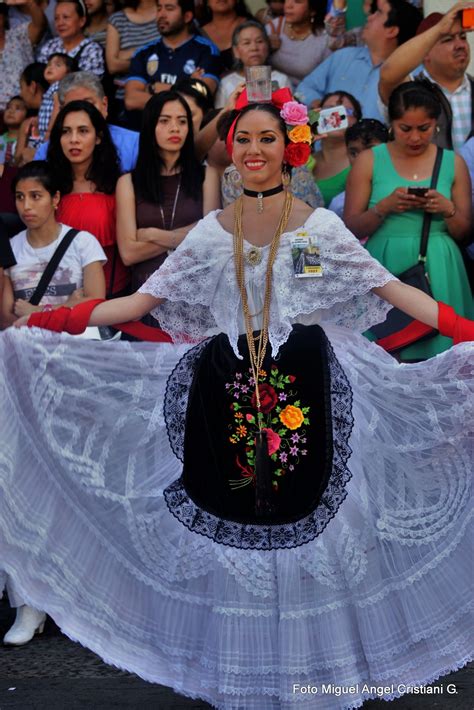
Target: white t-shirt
[
  {"x": 231, "y": 82},
  {"x": 31, "y": 263}
]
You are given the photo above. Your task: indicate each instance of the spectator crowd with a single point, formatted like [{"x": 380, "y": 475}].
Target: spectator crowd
[{"x": 110, "y": 116}]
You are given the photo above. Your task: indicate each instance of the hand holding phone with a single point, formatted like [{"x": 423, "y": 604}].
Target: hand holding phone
[
  {"x": 417, "y": 191},
  {"x": 467, "y": 18},
  {"x": 332, "y": 119}
]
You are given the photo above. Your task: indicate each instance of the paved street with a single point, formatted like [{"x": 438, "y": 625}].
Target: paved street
[{"x": 53, "y": 673}]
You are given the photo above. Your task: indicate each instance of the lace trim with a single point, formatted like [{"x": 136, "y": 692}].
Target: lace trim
[
  {"x": 176, "y": 398},
  {"x": 273, "y": 537}
]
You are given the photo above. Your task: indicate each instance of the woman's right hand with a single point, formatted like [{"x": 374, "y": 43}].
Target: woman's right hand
[
  {"x": 400, "y": 201},
  {"x": 275, "y": 42},
  {"x": 21, "y": 322}
]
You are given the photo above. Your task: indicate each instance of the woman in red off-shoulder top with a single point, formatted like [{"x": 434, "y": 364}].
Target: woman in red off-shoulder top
[{"x": 84, "y": 155}]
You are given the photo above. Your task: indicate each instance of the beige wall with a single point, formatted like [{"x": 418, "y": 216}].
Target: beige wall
[
  {"x": 442, "y": 6},
  {"x": 254, "y": 5}
]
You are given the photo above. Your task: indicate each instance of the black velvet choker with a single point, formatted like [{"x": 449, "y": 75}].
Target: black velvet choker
[{"x": 264, "y": 193}]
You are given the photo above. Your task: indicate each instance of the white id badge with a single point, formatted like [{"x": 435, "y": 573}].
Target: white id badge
[{"x": 306, "y": 256}]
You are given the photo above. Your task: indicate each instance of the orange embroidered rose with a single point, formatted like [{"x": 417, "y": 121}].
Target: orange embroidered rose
[
  {"x": 300, "y": 134},
  {"x": 292, "y": 417}
]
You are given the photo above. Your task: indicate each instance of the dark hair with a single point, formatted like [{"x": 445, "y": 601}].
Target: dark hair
[
  {"x": 210, "y": 115},
  {"x": 38, "y": 170},
  {"x": 318, "y": 8},
  {"x": 225, "y": 121},
  {"x": 17, "y": 97},
  {"x": 345, "y": 95},
  {"x": 241, "y": 10},
  {"x": 413, "y": 94},
  {"x": 146, "y": 176},
  {"x": 366, "y": 130},
  {"x": 406, "y": 17},
  {"x": 70, "y": 62},
  {"x": 131, "y": 3},
  {"x": 79, "y": 4},
  {"x": 104, "y": 170},
  {"x": 4, "y": 11},
  {"x": 186, "y": 6},
  {"x": 197, "y": 90},
  {"x": 35, "y": 73}
]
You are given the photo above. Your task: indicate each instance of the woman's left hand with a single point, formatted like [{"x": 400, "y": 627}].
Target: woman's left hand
[
  {"x": 436, "y": 203},
  {"x": 24, "y": 308}
]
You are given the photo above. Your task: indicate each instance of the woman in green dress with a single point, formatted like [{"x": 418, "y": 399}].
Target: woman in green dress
[{"x": 379, "y": 205}]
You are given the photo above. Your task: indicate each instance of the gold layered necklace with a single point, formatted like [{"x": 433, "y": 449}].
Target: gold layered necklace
[
  {"x": 257, "y": 344},
  {"x": 296, "y": 37}
]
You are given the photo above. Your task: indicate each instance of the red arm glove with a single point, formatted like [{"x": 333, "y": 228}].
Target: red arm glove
[
  {"x": 75, "y": 320},
  {"x": 72, "y": 320},
  {"x": 453, "y": 326}
]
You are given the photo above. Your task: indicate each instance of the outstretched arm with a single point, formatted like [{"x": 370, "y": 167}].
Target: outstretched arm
[
  {"x": 410, "y": 300},
  {"x": 123, "y": 310},
  {"x": 113, "y": 312}
]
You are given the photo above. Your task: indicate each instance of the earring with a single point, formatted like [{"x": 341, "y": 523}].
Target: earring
[
  {"x": 285, "y": 178},
  {"x": 390, "y": 133},
  {"x": 438, "y": 129}
]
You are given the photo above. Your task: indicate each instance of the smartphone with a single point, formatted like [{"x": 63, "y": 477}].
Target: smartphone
[
  {"x": 332, "y": 119},
  {"x": 418, "y": 191},
  {"x": 467, "y": 19}
]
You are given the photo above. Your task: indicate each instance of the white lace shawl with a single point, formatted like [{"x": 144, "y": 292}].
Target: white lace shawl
[{"x": 202, "y": 298}]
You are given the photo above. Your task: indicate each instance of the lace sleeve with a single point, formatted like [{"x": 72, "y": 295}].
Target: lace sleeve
[
  {"x": 343, "y": 294},
  {"x": 201, "y": 296},
  {"x": 189, "y": 280}
]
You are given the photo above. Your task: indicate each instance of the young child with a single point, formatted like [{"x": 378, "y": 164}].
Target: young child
[
  {"x": 361, "y": 136},
  {"x": 13, "y": 117},
  {"x": 58, "y": 66},
  {"x": 33, "y": 86}
]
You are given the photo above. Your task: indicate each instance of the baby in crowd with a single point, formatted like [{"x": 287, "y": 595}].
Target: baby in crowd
[
  {"x": 365, "y": 134},
  {"x": 13, "y": 116},
  {"x": 58, "y": 65}
]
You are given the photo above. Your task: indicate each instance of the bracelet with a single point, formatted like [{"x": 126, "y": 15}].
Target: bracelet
[
  {"x": 377, "y": 213},
  {"x": 451, "y": 214},
  {"x": 47, "y": 307}
]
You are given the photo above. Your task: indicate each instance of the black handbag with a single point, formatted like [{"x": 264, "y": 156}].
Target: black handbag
[{"x": 416, "y": 276}]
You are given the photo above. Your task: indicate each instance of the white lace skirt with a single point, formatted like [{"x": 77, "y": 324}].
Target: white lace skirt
[{"x": 382, "y": 597}]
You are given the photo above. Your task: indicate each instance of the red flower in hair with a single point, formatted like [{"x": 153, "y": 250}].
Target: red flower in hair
[{"x": 297, "y": 154}]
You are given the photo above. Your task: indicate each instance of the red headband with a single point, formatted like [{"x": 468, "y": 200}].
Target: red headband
[{"x": 279, "y": 98}]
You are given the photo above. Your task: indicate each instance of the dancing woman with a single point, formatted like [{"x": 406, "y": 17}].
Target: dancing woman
[{"x": 279, "y": 503}]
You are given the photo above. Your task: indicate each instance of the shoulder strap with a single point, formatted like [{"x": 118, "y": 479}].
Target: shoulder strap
[
  {"x": 52, "y": 265},
  {"x": 77, "y": 56},
  {"x": 425, "y": 231}
]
